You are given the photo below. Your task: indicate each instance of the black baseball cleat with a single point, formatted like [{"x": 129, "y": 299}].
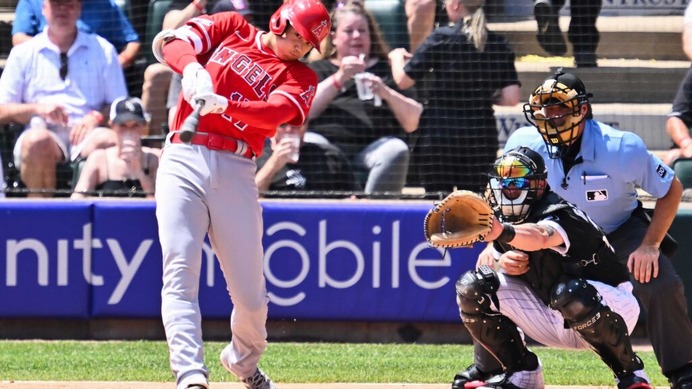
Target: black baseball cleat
[
  {"x": 471, "y": 378},
  {"x": 681, "y": 379},
  {"x": 549, "y": 34}
]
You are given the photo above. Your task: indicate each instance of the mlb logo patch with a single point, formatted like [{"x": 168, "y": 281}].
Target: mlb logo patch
[
  {"x": 597, "y": 195},
  {"x": 661, "y": 171}
]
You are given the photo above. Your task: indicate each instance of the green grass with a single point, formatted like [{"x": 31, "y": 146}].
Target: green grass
[{"x": 286, "y": 362}]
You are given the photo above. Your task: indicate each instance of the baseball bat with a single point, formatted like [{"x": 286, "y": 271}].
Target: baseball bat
[{"x": 189, "y": 126}]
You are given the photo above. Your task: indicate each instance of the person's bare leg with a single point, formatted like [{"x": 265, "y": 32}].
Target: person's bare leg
[
  {"x": 40, "y": 154},
  {"x": 421, "y": 20}
]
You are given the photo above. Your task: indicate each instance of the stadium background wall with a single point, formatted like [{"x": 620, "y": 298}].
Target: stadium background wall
[{"x": 92, "y": 269}]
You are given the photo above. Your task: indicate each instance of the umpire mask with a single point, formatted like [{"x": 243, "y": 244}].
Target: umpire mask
[{"x": 554, "y": 108}]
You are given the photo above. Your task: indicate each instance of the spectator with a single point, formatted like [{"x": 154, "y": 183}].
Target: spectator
[
  {"x": 369, "y": 133},
  {"x": 544, "y": 286},
  {"x": 127, "y": 169},
  {"x": 598, "y": 169},
  {"x": 65, "y": 78},
  {"x": 320, "y": 168},
  {"x": 679, "y": 122},
  {"x": 687, "y": 31},
  {"x": 472, "y": 69},
  {"x": 102, "y": 17},
  {"x": 420, "y": 20},
  {"x": 582, "y": 34},
  {"x": 179, "y": 12}
]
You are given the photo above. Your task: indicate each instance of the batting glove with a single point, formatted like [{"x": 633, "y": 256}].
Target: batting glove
[
  {"x": 213, "y": 103},
  {"x": 196, "y": 80}
]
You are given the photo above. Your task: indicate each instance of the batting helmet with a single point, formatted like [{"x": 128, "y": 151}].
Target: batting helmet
[{"x": 309, "y": 17}]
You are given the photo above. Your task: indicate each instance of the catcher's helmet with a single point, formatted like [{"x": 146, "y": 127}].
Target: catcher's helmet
[
  {"x": 517, "y": 180},
  {"x": 559, "y": 131},
  {"x": 309, "y": 17}
]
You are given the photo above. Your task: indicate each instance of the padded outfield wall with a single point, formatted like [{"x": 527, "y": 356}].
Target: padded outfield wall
[{"x": 324, "y": 260}]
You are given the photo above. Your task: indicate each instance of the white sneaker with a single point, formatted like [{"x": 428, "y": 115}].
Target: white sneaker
[{"x": 195, "y": 381}]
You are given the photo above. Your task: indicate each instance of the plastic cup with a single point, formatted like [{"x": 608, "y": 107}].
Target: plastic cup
[
  {"x": 364, "y": 91},
  {"x": 294, "y": 140}
]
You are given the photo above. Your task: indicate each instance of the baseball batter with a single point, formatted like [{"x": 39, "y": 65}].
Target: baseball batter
[
  {"x": 561, "y": 282},
  {"x": 250, "y": 81}
]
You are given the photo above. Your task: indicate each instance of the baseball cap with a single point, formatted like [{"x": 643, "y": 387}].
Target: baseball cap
[
  {"x": 570, "y": 81},
  {"x": 240, "y": 6},
  {"x": 128, "y": 108}
]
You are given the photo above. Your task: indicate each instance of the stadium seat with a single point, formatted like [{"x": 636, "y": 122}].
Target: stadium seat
[
  {"x": 157, "y": 10},
  {"x": 683, "y": 169}
]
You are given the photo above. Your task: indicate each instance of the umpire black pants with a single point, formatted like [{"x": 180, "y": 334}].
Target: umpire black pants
[{"x": 662, "y": 300}]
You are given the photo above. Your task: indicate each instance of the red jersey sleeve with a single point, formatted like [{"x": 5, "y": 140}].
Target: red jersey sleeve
[{"x": 299, "y": 87}]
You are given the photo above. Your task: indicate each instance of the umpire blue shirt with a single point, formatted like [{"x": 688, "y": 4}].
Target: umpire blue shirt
[{"x": 614, "y": 163}]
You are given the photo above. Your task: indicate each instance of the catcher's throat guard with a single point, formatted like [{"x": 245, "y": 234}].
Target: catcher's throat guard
[{"x": 459, "y": 220}]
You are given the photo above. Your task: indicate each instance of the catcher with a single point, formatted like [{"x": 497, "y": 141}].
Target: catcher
[{"x": 558, "y": 281}]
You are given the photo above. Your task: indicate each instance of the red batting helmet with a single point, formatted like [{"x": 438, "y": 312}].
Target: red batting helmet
[{"x": 309, "y": 17}]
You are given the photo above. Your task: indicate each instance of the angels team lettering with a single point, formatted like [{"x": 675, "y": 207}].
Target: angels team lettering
[{"x": 241, "y": 64}]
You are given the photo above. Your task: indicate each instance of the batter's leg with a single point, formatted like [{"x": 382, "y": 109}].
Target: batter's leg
[
  {"x": 182, "y": 221},
  {"x": 236, "y": 236}
]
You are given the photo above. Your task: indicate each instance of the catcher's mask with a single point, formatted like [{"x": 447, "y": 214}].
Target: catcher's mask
[
  {"x": 555, "y": 109},
  {"x": 517, "y": 180}
]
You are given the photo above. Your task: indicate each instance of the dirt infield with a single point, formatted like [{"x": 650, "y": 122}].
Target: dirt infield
[{"x": 155, "y": 385}]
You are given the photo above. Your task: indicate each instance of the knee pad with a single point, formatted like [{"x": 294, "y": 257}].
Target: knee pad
[
  {"x": 605, "y": 330},
  {"x": 575, "y": 299},
  {"x": 475, "y": 289}
]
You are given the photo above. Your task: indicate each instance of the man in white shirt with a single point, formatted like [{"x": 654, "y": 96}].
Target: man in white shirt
[{"x": 58, "y": 84}]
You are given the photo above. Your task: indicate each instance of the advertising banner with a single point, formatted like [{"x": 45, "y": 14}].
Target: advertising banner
[{"x": 324, "y": 260}]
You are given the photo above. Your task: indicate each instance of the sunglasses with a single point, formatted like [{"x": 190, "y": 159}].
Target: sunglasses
[
  {"x": 63, "y": 66},
  {"x": 515, "y": 183}
]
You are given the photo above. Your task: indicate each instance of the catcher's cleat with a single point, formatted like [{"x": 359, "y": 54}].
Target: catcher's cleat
[
  {"x": 259, "y": 380},
  {"x": 471, "y": 378},
  {"x": 549, "y": 34},
  {"x": 633, "y": 381},
  {"x": 525, "y": 379}
]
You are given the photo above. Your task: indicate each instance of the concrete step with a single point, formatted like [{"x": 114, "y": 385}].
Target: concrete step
[
  {"x": 646, "y": 120},
  {"x": 614, "y": 81},
  {"x": 643, "y": 37}
]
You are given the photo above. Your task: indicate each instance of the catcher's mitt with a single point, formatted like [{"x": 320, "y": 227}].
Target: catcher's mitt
[{"x": 460, "y": 220}]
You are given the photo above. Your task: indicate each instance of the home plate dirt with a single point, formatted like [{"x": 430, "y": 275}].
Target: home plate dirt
[{"x": 169, "y": 385}]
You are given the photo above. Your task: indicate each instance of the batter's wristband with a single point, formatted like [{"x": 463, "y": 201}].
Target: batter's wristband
[
  {"x": 199, "y": 7},
  {"x": 508, "y": 233}
]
